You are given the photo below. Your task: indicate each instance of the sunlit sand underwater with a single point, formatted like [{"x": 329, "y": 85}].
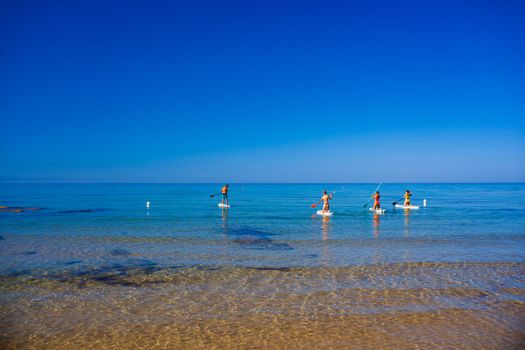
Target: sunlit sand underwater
[{"x": 95, "y": 269}]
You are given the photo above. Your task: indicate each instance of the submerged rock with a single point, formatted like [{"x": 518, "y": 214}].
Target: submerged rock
[
  {"x": 262, "y": 268},
  {"x": 73, "y": 262},
  {"x": 252, "y": 241},
  {"x": 129, "y": 273},
  {"x": 119, "y": 251},
  {"x": 7, "y": 209},
  {"x": 262, "y": 244},
  {"x": 249, "y": 232},
  {"x": 31, "y": 252},
  {"x": 18, "y": 273},
  {"x": 256, "y": 239},
  {"x": 74, "y": 211}
]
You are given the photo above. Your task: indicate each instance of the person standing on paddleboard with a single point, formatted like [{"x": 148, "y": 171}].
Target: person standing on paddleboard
[
  {"x": 224, "y": 191},
  {"x": 325, "y": 198},
  {"x": 376, "y": 197},
  {"x": 407, "y": 196}
]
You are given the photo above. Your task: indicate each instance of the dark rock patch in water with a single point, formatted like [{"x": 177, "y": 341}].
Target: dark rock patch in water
[
  {"x": 311, "y": 256},
  {"x": 250, "y": 241},
  {"x": 73, "y": 262},
  {"x": 258, "y": 240},
  {"x": 83, "y": 211},
  {"x": 18, "y": 273},
  {"x": 30, "y": 252},
  {"x": 284, "y": 269},
  {"x": 129, "y": 273},
  {"x": 207, "y": 268},
  {"x": 278, "y": 246},
  {"x": 139, "y": 263},
  {"x": 249, "y": 232},
  {"x": 262, "y": 244},
  {"x": 119, "y": 251},
  {"x": 115, "y": 280},
  {"x": 2, "y": 238},
  {"x": 6, "y": 209}
]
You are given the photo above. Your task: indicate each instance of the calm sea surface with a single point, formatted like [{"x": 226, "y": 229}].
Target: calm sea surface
[
  {"x": 266, "y": 271},
  {"x": 267, "y": 225}
]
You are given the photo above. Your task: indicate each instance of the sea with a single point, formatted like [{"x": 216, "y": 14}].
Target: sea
[{"x": 92, "y": 266}]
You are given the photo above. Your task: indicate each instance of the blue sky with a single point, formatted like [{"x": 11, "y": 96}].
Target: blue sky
[{"x": 262, "y": 91}]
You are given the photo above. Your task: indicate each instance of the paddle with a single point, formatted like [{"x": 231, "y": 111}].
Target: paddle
[
  {"x": 377, "y": 189},
  {"x": 216, "y": 194},
  {"x": 315, "y": 204},
  {"x": 394, "y": 203}
]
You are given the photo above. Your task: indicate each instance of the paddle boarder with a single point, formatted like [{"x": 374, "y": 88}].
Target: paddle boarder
[
  {"x": 325, "y": 198},
  {"x": 376, "y": 197},
  {"x": 407, "y": 196},
  {"x": 224, "y": 191}
]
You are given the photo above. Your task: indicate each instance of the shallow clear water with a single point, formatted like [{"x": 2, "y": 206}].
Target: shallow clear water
[
  {"x": 267, "y": 225},
  {"x": 94, "y": 263}
]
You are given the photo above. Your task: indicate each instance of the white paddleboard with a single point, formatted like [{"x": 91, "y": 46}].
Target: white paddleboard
[
  {"x": 401, "y": 206},
  {"x": 377, "y": 211},
  {"x": 324, "y": 213},
  {"x": 222, "y": 205}
]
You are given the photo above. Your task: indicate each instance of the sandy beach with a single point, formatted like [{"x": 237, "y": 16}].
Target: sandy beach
[{"x": 401, "y": 306}]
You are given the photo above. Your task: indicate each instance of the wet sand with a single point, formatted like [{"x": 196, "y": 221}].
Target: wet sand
[{"x": 402, "y": 306}]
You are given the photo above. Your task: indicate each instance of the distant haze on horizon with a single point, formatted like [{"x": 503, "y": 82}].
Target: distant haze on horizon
[{"x": 273, "y": 91}]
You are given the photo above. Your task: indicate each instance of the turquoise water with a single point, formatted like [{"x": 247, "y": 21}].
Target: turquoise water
[{"x": 268, "y": 225}]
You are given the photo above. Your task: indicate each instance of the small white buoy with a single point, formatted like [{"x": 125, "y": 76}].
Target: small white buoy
[
  {"x": 147, "y": 204},
  {"x": 424, "y": 202}
]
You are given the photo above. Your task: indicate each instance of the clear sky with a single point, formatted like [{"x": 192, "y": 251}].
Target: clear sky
[{"x": 262, "y": 91}]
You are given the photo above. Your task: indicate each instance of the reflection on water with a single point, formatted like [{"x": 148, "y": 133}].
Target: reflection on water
[
  {"x": 376, "y": 224},
  {"x": 407, "y": 222},
  {"x": 224, "y": 216},
  {"x": 325, "y": 251},
  {"x": 325, "y": 226}
]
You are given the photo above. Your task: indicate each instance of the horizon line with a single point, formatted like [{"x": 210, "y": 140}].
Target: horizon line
[{"x": 246, "y": 183}]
